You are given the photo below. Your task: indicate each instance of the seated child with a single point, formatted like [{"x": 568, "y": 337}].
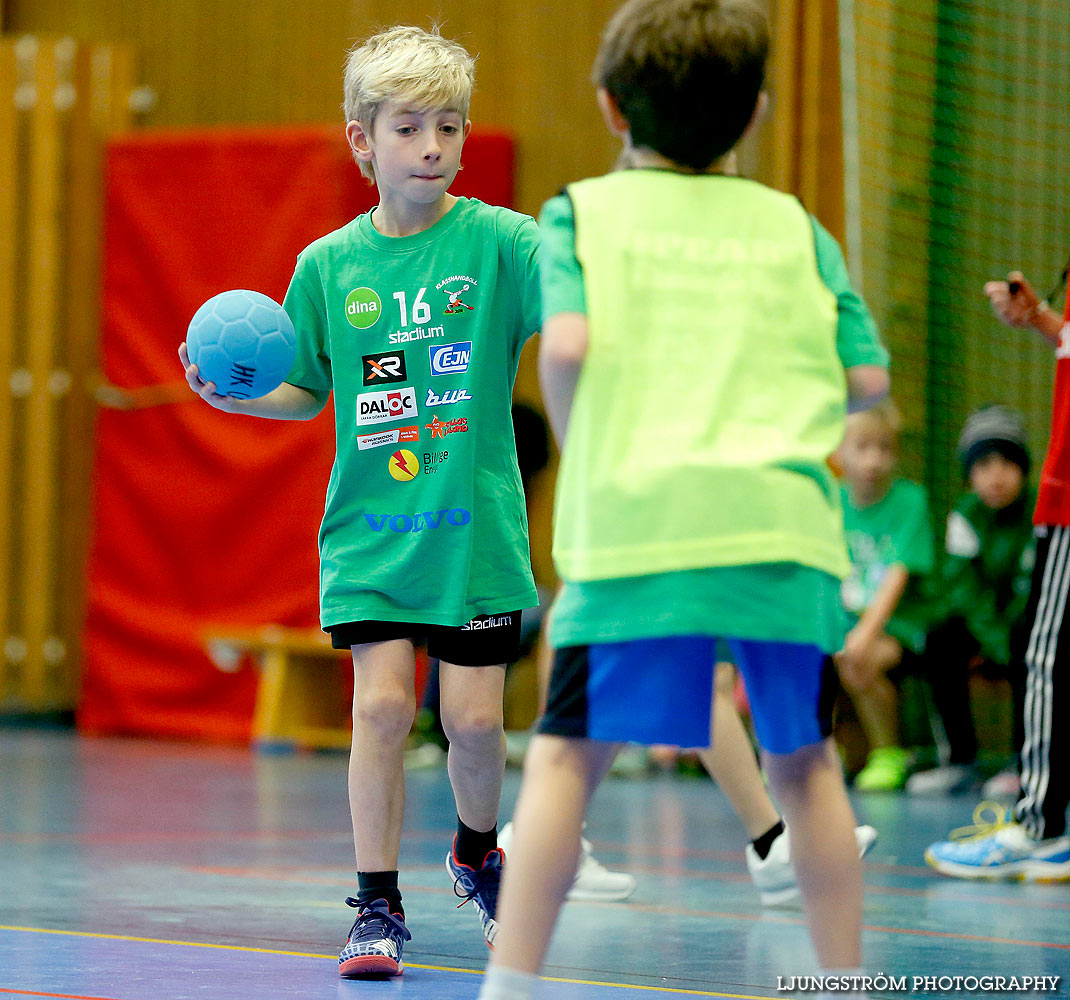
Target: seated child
[
  {"x": 980, "y": 592},
  {"x": 887, "y": 524}
]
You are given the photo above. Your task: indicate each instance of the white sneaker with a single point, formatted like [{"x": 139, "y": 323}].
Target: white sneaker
[
  {"x": 774, "y": 875},
  {"x": 949, "y": 779},
  {"x": 594, "y": 883},
  {"x": 1004, "y": 786}
]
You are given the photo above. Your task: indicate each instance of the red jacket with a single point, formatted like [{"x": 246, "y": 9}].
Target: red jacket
[{"x": 1053, "y": 499}]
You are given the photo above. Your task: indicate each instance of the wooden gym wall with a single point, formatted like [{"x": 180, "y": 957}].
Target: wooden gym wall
[
  {"x": 280, "y": 62},
  {"x": 211, "y": 63},
  {"x": 58, "y": 100}
]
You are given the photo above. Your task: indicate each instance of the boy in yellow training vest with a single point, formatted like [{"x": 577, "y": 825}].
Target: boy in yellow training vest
[{"x": 700, "y": 345}]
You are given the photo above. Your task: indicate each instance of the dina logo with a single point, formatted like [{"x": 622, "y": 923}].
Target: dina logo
[{"x": 363, "y": 308}]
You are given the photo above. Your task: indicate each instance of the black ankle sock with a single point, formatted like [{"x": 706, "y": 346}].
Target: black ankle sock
[
  {"x": 762, "y": 844},
  {"x": 380, "y": 885},
  {"x": 470, "y": 846}
]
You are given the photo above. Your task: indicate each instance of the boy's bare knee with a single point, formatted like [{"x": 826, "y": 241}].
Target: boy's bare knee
[
  {"x": 474, "y": 727},
  {"x": 388, "y": 712}
]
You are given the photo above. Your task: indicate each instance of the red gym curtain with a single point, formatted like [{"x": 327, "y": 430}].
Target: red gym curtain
[{"x": 201, "y": 517}]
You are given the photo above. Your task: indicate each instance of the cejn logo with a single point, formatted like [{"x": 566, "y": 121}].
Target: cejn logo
[
  {"x": 390, "y": 404},
  {"x": 450, "y": 359},
  {"x": 380, "y": 369},
  {"x": 363, "y": 308}
]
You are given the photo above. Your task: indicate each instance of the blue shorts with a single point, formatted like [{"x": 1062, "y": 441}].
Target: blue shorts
[{"x": 661, "y": 691}]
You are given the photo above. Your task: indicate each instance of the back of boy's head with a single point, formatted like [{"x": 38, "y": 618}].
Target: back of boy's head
[
  {"x": 686, "y": 74},
  {"x": 406, "y": 63},
  {"x": 883, "y": 417}
]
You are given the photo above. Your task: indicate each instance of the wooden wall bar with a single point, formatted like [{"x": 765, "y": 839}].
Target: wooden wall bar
[{"x": 59, "y": 99}]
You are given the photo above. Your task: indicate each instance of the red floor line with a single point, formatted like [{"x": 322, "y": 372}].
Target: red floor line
[
  {"x": 63, "y": 996},
  {"x": 300, "y": 874}
]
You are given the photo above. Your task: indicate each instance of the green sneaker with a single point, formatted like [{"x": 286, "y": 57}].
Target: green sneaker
[{"x": 886, "y": 770}]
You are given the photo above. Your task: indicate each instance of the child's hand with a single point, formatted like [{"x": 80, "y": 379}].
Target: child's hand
[
  {"x": 206, "y": 390},
  {"x": 865, "y": 657},
  {"x": 1013, "y": 300}
]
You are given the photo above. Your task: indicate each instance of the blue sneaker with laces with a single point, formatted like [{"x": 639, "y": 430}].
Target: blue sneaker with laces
[
  {"x": 375, "y": 942},
  {"x": 995, "y": 847},
  {"x": 480, "y": 886}
]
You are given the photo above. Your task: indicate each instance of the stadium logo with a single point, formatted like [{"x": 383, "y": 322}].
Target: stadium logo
[
  {"x": 363, "y": 308},
  {"x": 487, "y": 621}
]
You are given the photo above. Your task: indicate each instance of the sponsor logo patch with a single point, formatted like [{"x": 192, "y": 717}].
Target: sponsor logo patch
[
  {"x": 403, "y": 465},
  {"x": 419, "y": 333},
  {"x": 363, "y": 308},
  {"x": 390, "y": 404},
  {"x": 459, "y": 290},
  {"x": 440, "y": 428},
  {"x": 449, "y": 397},
  {"x": 450, "y": 359},
  {"x": 380, "y": 369},
  {"x": 396, "y": 435},
  {"x": 487, "y": 621},
  {"x": 455, "y": 517},
  {"x": 432, "y": 461}
]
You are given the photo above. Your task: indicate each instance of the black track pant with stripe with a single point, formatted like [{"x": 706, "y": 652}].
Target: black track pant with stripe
[{"x": 1045, "y": 764}]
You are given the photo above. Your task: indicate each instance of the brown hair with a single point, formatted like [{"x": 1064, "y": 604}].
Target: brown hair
[{"x": 686, "y": 74}]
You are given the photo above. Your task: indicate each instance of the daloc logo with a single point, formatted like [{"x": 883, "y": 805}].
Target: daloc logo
[
  {"x": 390, "y": 404},
  {"x": 450, "y": 359}
]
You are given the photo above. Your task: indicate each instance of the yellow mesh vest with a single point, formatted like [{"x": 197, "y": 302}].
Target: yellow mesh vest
[{"x": 712, "y": 393}]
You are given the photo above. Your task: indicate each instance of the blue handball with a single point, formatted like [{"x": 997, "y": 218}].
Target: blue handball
[{"x": 243, "y": 341}]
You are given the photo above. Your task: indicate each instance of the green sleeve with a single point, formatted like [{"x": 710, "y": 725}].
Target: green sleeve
[
  {"x": 857, "y": 339},
  {"x": 525, "y": 265},
  {"x": 562, "y": 275},
  {"x": 914, "y": 540},
  {"x": 305, "y": 305}
]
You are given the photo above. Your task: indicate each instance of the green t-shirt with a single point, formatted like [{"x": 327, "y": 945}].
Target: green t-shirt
[
  {"x": 785, "y": 602},
  {"x": 419, "y": 337},
  {"x": 985, "y": 573},
  {"x": 894, "y": 531}
]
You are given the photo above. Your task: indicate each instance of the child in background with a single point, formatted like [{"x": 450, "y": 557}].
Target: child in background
[
  {"x": 980, "y": 592},
  {"x": 424, "y": 534},
  {"x": 700, "y": 344},
  {"x": 1032, "y": 843},
  {"x": 886, "y": 520}
]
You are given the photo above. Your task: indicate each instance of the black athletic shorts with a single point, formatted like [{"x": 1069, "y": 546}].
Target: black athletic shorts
[{"x": 484, "y": 641}]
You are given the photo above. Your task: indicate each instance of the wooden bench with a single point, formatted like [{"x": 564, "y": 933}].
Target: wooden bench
[{"x": 300, "y": 701}]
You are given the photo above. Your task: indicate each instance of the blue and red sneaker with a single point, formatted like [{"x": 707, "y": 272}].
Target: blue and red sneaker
[
  {"x": 480, "y": 886},
  {"x": 375, "y": 942}
]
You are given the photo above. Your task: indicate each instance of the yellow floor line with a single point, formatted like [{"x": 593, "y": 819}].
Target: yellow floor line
[{"x": 411, "y": 965}]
